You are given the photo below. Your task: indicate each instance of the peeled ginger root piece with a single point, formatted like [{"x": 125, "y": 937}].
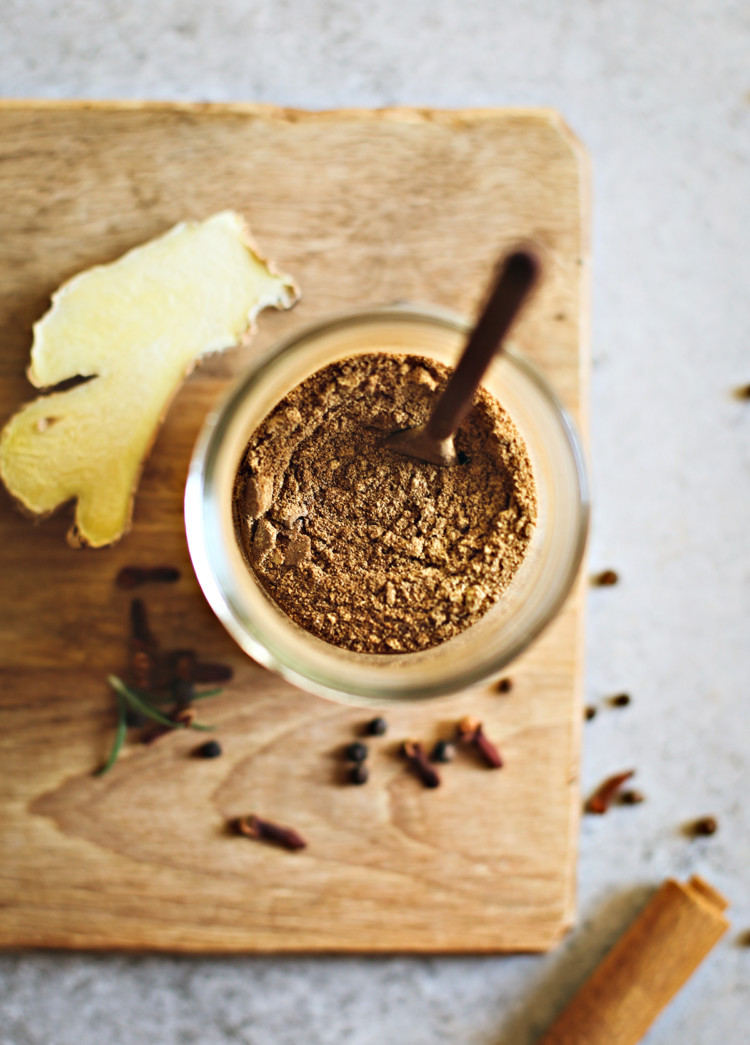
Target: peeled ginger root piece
[{"x": 137, "y": 327}]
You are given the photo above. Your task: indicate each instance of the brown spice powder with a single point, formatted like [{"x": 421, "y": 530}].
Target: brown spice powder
[{"x": 365, "y": 548}]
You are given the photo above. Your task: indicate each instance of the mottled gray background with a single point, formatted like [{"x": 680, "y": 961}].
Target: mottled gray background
[{"x": 660, "y": 94}]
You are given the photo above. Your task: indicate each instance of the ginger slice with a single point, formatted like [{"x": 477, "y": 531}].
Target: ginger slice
[{"x": 137, "y": 327}]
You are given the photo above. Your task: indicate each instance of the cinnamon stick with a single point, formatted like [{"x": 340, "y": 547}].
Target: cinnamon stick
[{"x": 645, "y": 968}]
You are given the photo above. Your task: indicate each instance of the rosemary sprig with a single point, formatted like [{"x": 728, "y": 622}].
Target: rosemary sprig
[
  {"x": 142, "y": 702},
  {"x": 167, "y": 698},
  {"x": 122, "y": 728},
  {"x": 208, "y": 693},
  {"x": 144, "y": 706}
]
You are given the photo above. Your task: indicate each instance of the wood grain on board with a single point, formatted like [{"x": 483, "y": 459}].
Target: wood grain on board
[{"x": 361, "y": 207}]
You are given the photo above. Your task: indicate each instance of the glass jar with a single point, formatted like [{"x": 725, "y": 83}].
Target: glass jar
[{"x": 537, "y": 591}]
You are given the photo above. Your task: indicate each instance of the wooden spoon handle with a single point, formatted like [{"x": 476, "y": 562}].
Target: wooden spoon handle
[{"x": 517, "y": 274}]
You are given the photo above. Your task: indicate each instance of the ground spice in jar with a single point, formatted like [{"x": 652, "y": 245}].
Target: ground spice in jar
[{"x": 367, "y": 549}]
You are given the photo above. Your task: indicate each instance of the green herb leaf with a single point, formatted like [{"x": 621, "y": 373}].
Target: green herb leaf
[
  {"x": 119, "y": 740},
  {"x": 168, "y": 698},
  {"x": 141, "y": 705},
  {"x": 209, "y": 693},
  {"x": 152, "y": 698}
]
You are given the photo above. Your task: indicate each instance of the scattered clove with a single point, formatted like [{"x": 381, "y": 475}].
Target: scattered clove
[
  {"x": 605, "y": 794},
  {"x": 139, "y": 627},
  {"x": 134, "y": 576},
  {"x": 632, "y": 798},
  {"x": 470, "y": 731},
  {"x": 621, "y": 700},
  {"x": 504, "y": 685},
  {"x": 707, "y": 825},
  {"x": 205, "y": 672},
  {"x": 606, "y": 579},
  {"x": 183, "y": 692},
  {"x": 184, "y": 716},
  {"x": 414, "y": 753},
  {"x": 182, "y": 664},
  {"x": 253, "y": 827},
  {"x": 152, "y": 735},
  {"x": 589, "y": 713},
  {"x": 157, "y": 678},
  {"x": 142, "y": 667}
]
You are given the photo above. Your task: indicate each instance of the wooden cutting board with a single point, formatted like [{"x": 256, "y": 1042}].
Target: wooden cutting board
[{"x": 361, "y": 207}]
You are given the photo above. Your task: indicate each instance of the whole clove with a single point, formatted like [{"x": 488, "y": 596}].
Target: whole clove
[
  {"x": 152, "y": 735},
  {"x": 180, "y": 716},
  {"x": 154, "y": 678},
  {"x": 415, "y": 755},
  {"x": 606, "y": 579},
  {"x": 606, "y": 793},
  {"x": 471, "y": 731},
  {"x": 632, "y": 798},
  {"x": 183, "y": 692},
  {"x": 253, "y": 827},
  {"x": 139, "y": 627},
  {"x": 187, "y": 668},
  {"x": 621, "y": 700},
  {"x": 707, "y": 825},
  {"x": 142, "y": 667},
  {"x": 134, "y": 576},
  {"x": 205, "y": 672},
  {"x": 182, "y": 664},
  {"x": 184, "y": 716}
]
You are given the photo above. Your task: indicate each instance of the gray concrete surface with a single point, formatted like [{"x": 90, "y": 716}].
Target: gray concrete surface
[{"x": 660, "y": 94}]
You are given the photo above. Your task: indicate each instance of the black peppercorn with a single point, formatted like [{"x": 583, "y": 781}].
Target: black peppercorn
[
  {"x": 356, "y": 751},
  {"x": 590, "y": 713},
  {"x": 443, "y": 751},
  {"x": 504, "y": 685},
  {"x": 376, "y": 727},
  {"x": 359, "y": 773},
  {"x": 211, "y": 749}
]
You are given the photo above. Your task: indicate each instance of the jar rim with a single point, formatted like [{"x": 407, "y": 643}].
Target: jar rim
[{"x": 198, "y": 487}]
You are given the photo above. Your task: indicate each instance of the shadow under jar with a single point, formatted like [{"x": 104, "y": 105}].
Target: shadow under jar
[{"x": 268, "y": 634}]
